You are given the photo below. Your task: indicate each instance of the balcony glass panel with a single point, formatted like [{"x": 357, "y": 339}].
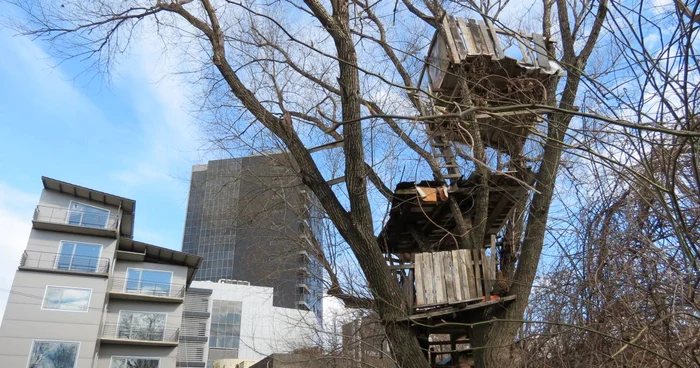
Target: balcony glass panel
[
  {"x": 78, "y": 257},
  {"x": 150, "y": 282},
  {"x": 141, "y": 326},
  {"x": 80, "y": 214}
]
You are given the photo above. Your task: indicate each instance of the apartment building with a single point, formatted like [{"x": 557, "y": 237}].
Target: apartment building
[
  {"x": 252, "y": 219},
  {"x": 246, "y": 326},
  {"x": 86, "y": 295}
]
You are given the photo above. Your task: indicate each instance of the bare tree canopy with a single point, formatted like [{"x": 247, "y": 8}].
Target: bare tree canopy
[{"x": 606, "y": 160}]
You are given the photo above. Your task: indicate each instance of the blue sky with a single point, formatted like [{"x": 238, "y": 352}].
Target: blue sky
[{"x": 133, "y": 136}]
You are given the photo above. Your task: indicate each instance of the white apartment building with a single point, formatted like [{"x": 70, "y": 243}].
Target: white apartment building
[
  {"x": 245, "y": 325},
  {"x": 86, "y": 295}
]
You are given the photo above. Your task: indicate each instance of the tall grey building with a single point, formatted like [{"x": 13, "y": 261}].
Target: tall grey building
[{"x": 251, "y": 219}]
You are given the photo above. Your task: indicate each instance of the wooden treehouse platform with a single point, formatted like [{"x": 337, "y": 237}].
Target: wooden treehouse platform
[
  {"x": 499, "y": 68},
  {"x": 446, "y": 287},
  {"x": 420, "y": 219}
]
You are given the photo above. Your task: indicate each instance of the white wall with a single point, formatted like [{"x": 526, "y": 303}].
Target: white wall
[{"x": 265, "y": 329}]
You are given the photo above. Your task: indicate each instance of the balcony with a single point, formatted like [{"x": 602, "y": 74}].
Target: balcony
[
  {"x": 123, "y": 288},
  {"x": 113, "y": 333},
  {"x": 64, "y": 263},
  {"x": 80, "y": 221}
]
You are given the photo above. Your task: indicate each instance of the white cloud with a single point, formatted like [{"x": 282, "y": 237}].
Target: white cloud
[
  {"x": 168, "y": 134},
  {"x": 15, "y": 222}
]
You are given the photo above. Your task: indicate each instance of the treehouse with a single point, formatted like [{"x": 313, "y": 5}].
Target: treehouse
[
  {"x": 441, "y": 282},
  {"x": 475, "y": 63}
]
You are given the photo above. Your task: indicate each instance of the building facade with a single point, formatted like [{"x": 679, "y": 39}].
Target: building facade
[
  {"x": 246, "y": 326},
  {"x": 86, "y": 295},
  {"x": 251, "y": 219}
]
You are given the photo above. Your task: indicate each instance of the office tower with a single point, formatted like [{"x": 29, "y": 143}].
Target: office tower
[
  {"x": 86, "y": 295},
  {"x": 251, "y": 219}
]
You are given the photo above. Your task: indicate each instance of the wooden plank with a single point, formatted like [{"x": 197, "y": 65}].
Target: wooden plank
[
  {"x": 428, "y": 278},
  {"x": 463, "y": 275},
  {"x": 457, "y": 309},
  {"x": 469, "y": 43},
  {"x": 458, "y": 39},
  {"x": 542, "y": 58},
  {"x": 470, "y": 275},
  {"x": 457, "y": 275},
  {"x": 411, "y": 280},
  {"x": 449, "y": 279},
  {"x": 477, "y": 272},
  {"x": 420, "y": 290},
  {"x": 476, "y": 33},
  {"x": 525, "y": 50},
  {"x": 452, "y": 49},
  {"x": 438, "y": 277},
  {"x": 486, "y": 37},
  {"x": 498, "y": 50}
]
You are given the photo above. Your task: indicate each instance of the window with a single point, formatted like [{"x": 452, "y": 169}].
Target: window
[
  {"x": 225, "y": 324},
  {"x": 141, "y": 326},
  {"x": 82, "y": 257},
  {"x": 80, "y": 214},
  {"x": 53, "y": 354},
  {"x": 151, "y": 282},
  {"x": 66, "y": 299},
  {"x": 134, "y": 362}
]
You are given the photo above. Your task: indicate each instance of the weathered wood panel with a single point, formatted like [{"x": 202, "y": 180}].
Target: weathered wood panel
[
  {"x": 420, "y": 290},
  {"x": 452, "y": 276},
  {"x": 439, "y": 278}
]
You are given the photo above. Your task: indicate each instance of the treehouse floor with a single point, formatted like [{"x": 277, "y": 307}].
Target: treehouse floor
[{"x": 446, "y": 313}]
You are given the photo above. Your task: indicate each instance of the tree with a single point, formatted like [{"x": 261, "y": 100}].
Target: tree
[{"x": 345, "y": 75}]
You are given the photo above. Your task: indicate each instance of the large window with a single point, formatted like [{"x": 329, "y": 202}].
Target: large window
[
  {"x": 141, "y": 326},
  {"x": 81, "y": 214},
  {"x": 151, "y": 282},
  {"x": 53, "y": 354},
  {"x": 225, "y": 324},
  {"x": 134, "y": 362},
  {"x": 75, "y": 256},
  {"x": 66, "y": 299}
]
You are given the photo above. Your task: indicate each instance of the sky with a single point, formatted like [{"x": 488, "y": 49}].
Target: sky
[{"x": 133, "y": 136}]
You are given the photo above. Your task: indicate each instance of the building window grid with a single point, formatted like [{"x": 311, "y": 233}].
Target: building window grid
[{"x": 225, "y": 324}]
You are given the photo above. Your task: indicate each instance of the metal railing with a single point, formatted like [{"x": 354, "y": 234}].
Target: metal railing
[
  {"x": 64, "y": 262},
  {"x": 127, "y": 332},
  {"x": 145, "y": 287},
  {"x": 82, "y": 218}
]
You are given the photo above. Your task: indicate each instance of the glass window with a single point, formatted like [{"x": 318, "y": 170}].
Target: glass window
[
  {"x": 78, "y": 257},
  {"x": 66, "y": 299},
  {"x": 53, "y": 354},
  {"x": 134, "y": 362},
  {"x": 88, "y": 216},
  {"x": 225, "y": 328},
  {"x": 141, "y": 326},
  {"x": 149, "y": 282}
]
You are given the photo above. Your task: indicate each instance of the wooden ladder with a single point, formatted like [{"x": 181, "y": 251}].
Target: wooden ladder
[{"x": 442, "y": 150}]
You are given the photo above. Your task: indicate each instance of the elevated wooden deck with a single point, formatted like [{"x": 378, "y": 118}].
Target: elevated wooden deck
[{"x": 419, "y": 223}]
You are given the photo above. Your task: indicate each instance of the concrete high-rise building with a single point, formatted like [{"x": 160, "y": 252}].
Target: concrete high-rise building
[
  {"x": 252, "y": 219},
  {"x": 86, "y": 295}
]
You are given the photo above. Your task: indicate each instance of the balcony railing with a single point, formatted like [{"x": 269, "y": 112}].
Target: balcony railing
[
  {"x": 115, "y": 331},
  {"x": 64, "y": 262},
  {"x": 81, "y": 218},
  {"x": 147, "y": 288}
]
